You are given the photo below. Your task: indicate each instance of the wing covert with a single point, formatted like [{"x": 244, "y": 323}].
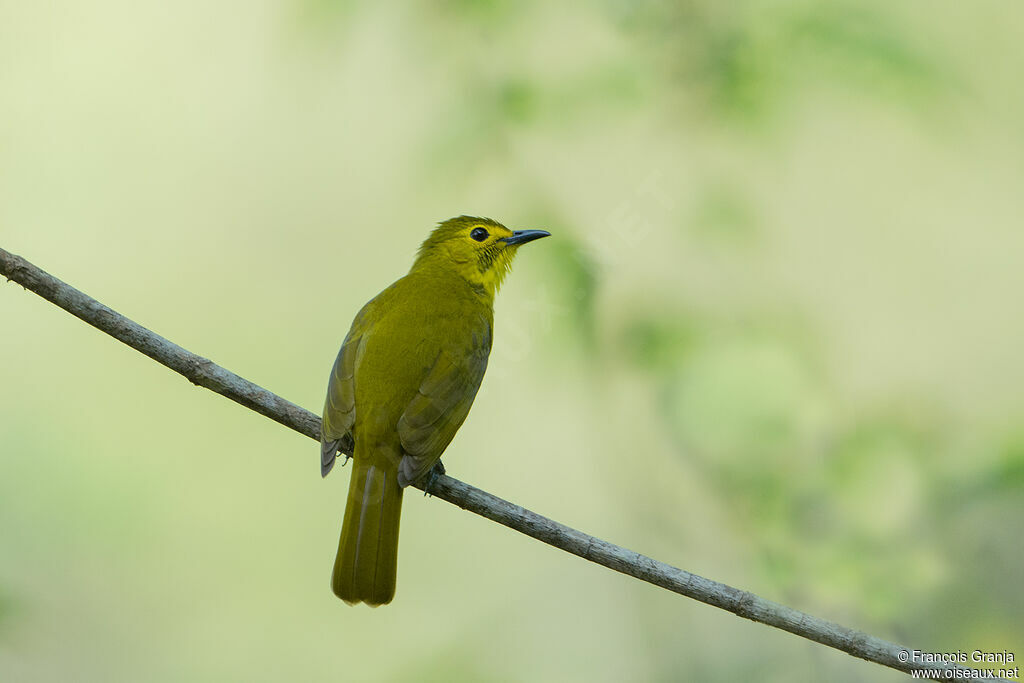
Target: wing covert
[{"x": 439, "y": 408}]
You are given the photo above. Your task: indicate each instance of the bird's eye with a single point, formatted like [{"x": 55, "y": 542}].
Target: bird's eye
[{"x": 479, "y": 234}]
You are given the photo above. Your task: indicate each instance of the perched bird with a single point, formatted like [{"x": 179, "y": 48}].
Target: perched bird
[{"x": 403, "y": 383}]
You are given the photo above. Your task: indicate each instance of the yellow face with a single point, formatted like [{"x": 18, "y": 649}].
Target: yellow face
[{"x": 479, "y": 249}]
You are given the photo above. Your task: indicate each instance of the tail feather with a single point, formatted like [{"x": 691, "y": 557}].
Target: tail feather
[{"x": 367, "y": 563}]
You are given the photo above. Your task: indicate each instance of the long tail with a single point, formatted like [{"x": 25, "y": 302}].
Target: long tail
[{"x": 367, "y": 561}]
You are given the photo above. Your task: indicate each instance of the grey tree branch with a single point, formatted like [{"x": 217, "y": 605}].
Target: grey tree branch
[{"x": 206, "y": 373}]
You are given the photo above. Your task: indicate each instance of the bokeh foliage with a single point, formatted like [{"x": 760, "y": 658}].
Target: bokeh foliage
[{"x": 774, "y": 338}]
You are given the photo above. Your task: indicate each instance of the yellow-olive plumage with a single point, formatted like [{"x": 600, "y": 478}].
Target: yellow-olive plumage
[{"x": 403, "y": 383}]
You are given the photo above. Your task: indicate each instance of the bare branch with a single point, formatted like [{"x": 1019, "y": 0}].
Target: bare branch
[{"x": 206, "y": 373}]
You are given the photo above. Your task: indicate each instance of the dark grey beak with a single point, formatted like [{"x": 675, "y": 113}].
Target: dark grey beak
[{"x": 524, "y": 236}]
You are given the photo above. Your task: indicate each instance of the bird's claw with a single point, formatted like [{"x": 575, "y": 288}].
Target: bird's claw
[{"x": 436, "y": 471}]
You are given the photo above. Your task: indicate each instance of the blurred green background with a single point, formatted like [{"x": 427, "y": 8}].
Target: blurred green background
[{"x": 775, "y": 339}]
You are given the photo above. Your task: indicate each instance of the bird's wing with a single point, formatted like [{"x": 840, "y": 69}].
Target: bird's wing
[
  {"x": 432, "y": 417},
  {"x": 340, "y": 406}
]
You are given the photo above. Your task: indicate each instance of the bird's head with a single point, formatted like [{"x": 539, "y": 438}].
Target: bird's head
[{"x": 478, "y": 249}]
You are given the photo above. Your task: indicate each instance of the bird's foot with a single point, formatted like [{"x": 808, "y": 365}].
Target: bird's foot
[{"x": 436, "y": 471}]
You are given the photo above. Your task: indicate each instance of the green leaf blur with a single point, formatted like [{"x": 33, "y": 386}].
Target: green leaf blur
[{"x": 775, "y": 337}]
